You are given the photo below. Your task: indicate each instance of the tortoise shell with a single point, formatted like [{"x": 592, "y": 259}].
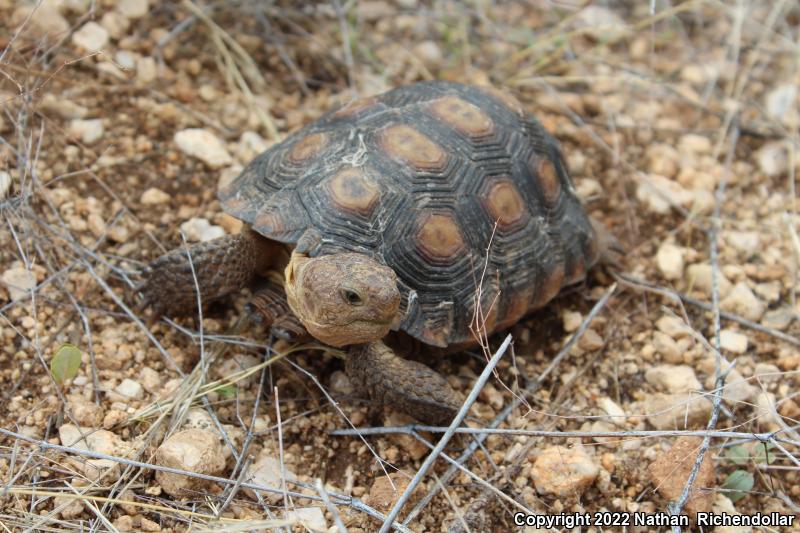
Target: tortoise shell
[{"x": 455, "y": 187}]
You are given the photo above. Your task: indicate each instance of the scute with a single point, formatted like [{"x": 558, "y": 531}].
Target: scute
[{"x": 455, "y": 187}]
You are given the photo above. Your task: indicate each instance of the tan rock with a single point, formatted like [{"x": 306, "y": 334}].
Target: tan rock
[
  {"x": 676, "y": 411},
  {"x": 194, "y": 450},
  {"x": 563, "y": 471},
  {"x": 267, "y": 471},
  {"x": 673, "y": 378}
]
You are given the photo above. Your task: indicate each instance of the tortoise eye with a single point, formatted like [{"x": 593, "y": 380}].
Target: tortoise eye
[{"x": 351, "y": 297}]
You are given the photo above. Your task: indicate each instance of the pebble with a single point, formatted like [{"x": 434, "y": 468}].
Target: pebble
[
  {"x": 600, "y": 22},
  {"x": 309, "y": 518},
  {"x": 778, "y": 318},
  {"x": 673, "y": 378},
  {"x": 88, "y": 131},
  {"x": 659, "y": 194},
  {"x": 194, "y": 450},
  {"x": 150, "y": 379},
  {"x": 670, "y": 261},
  {"x": 723, "y": 506},
  {"x": 266, "y": 470},
  {"x": 19, "y": 282},
  {"x": 119, "y": 233},
  {"x": 62, "y": 107},
  {"x": 694, "y": 144},
  {"x": 146, "y": 70},
  {"x": 737, "y": 389},
  {"x": 571, "y": 320},
  {"x": 590, "y": 340},
  {"x": 615, "y": 412},
  {"x": 227, "y": 175},
  {"x": 5, "y": 184},
  {"x": 671, "y": 470},
  {"x": 772, "y": 159},
  {"x": 155, "y": 196},
  {"x": 125, "y": 59},
  {"x": 85, "y": 412},
  {"x": 667, "y": 347},
  {"x": 382, "y": 495},
  {"x": 133, "y": 9},
  {"x": 781, "y": 102},
  {"x": 742, "y": 301},
  {"x": 588, "y": 188},
  {"x": 45, "y": 21},
  {"x": 69, "y": 507},
  {"x": 563, "y": 471},
  {"x": 767, "y": 373},
  {"x": 732, "y": 341},
  {"x": 745, "y": 242},
  {"x": 765, "y": 410},
  {"x": 699, "y": 276},
  {"x": 90, "y": 439},
  {"x": 250, "y": 145},
  {"x": 429, "y": 53},
  {"x": 769, "y": 291},
  {"x": 340, "y": 383},
  {"x": 235, "y": 365},
  {"x": 91, "y": 37},
  {"x": 115, "y": 24},
  {"x": 673, "y": 326},
  {"x": 671, "y": 411},
  {"x": 130, "y": 389},
  {"x": 201, "y": 230},
  {"x": 203, "y": 145}
]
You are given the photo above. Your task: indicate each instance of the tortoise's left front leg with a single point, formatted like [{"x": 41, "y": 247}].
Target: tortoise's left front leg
[{"x": 389, "y": 380}]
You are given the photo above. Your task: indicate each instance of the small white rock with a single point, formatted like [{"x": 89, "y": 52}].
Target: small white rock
[
  {"x": 19, "y": 282},
  {"x": 130, "y": 389},
  {"x": 772, "y": 158},
  {"x": 659, "y": 194},
  {"x": 746, "y": 242},
  {"x": 62, "y": 107},
  {"x": 267, "y": 471},
  {"x": 125, "y": 59},
  {"x": 563, "y": 471},
  {"x": 91, "y": 37},
  {"x": 201, "y": 230},
  {"x": 146, "y": 70},
  {"x": 45, "y": 20},
  {"x": 572, "y": 320},
  {"x": 429, "y": 53},
  {"x": 600, "y": 22},
  {"x": 700, "y": 277},
  {"x": 88, "y": 131},
  {"x": 250, "y": 145},
  {"x": 115, "y": 24},
  {"x": 155, "y": 196},
  {"x": 227, "y": 175},
  {"x": 673, "y": 326},
  {"x": 311, "y": 518},
  {"x": 781, "y": 101},
  {"x": 203, "y": 145},
  {"x": 694, "y": 144},
  {"x": 194, "y": 450},
  {"x": 667, "y": 347},
  {"x": 671, "y": 411},
  {"x": 742, "y": 301},
  {"x": 732, "y": 341},
  {"x": 5, "y": 184},
  {"x": 673, "y": 378},
  {"x": 670, "y": 261},
  {"x": 133, "y": 9},
  {"x": 615, "y": 413}
]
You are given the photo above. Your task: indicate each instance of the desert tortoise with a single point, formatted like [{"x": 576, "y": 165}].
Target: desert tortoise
[{"x": 387, "y": 214}]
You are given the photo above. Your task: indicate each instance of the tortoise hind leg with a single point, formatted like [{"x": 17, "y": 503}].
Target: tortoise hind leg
[
  {"x": 221, "y": 266},
  {"x": 413, "y": 388}
]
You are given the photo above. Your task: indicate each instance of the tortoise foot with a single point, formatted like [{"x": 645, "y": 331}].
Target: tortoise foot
[
  {"x": 217, "y": 267},
  {"x": 413, "y": 388}
]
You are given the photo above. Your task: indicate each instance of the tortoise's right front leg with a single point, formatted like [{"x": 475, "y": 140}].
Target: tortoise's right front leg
[{"x": 221, "y": 266}]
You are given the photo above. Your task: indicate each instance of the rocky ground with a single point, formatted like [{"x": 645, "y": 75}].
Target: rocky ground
[{"x": 120, "y": 120}]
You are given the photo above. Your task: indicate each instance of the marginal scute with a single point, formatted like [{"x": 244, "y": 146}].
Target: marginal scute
[
  {"x": 355, "y": 107},
  {"x": 439, "y": 236},
  {"x": 268, "y": 223},
  {"x": 549, "y": 183},
  {"x": 353, "y": 190},
  {"x": 307, "y": 148},
  {"x": 551, "y": 285},
  {"x": 505, "y": 97},
  {"x": 504, "y": 203},
  {"x": 413, "y": 147},
  {"x": 462, "y": 116},
  {"x": 517, "y": 305}
]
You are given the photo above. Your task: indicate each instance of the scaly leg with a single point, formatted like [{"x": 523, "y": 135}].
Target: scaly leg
[
  {"x": 268, "y": 304},
  {"x": 221, "y": 266},
  {"x": 387, "y": 379}
]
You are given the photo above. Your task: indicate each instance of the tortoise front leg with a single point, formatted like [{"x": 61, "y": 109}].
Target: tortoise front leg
[
  {"x": 269, "y": 306},
  {"x": 389, "y": 380},
  {"x": 221, "y": 266}
]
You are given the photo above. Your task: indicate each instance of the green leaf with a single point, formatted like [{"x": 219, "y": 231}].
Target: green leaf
[
  {"x": 738, "y": 454},
  {"x": 763, "y": 454},
  {"x": 227, "y": 391},
  {"x": 65, "y": 362},
  {"x": 739, "y": 483}
]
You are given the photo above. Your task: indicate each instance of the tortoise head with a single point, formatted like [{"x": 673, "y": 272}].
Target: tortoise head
[{"x": 341, "y": 299}]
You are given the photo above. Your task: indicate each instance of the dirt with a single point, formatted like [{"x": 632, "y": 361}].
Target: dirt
[{"x": 678, "y": 125}]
